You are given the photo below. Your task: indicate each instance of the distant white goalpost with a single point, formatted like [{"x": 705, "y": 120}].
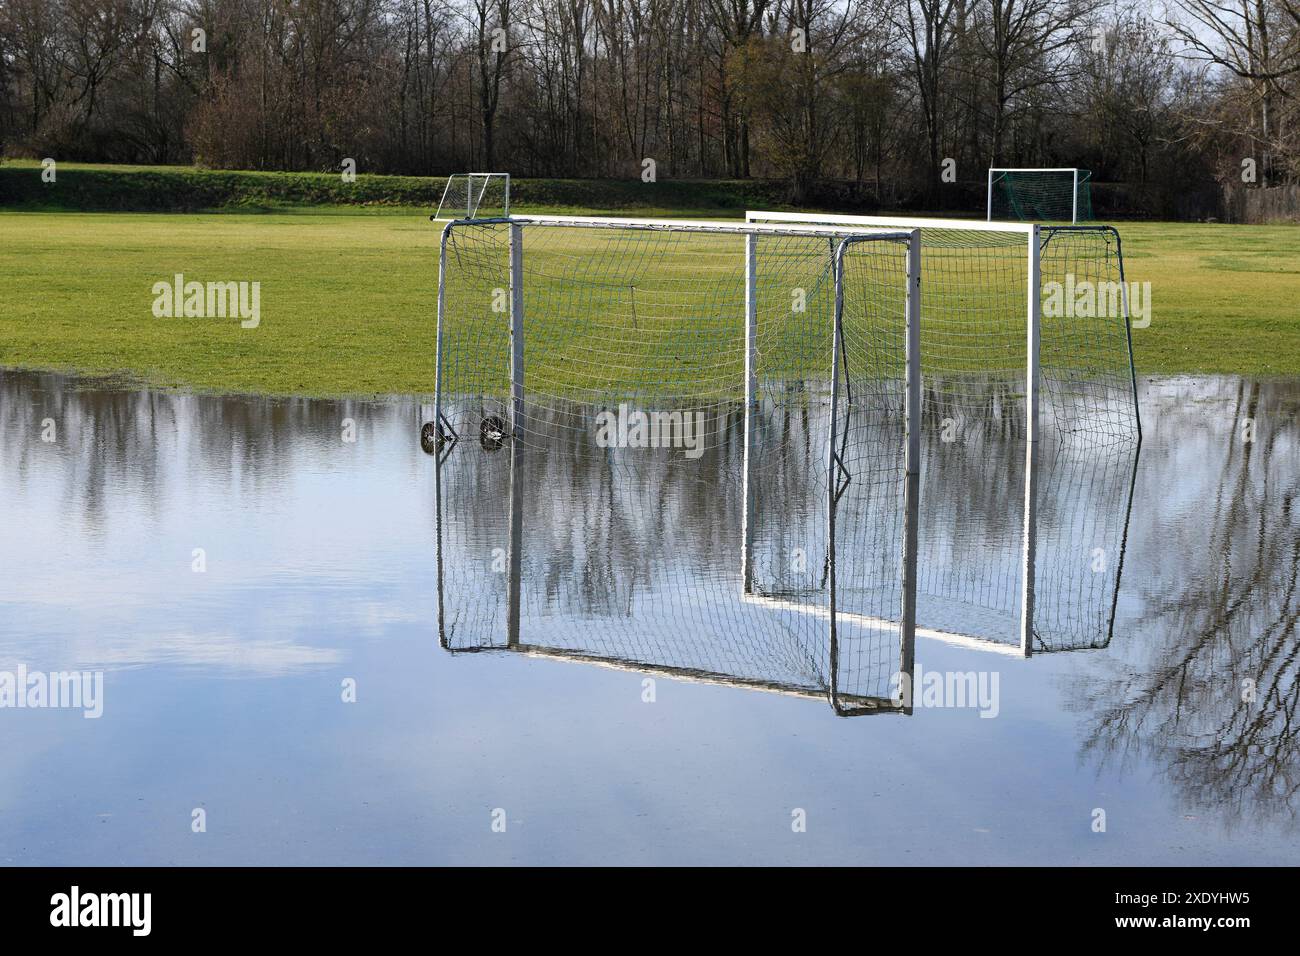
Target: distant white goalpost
[
  {"x": 1061, "y": 194},
  {"x": 475, "y": 196}
]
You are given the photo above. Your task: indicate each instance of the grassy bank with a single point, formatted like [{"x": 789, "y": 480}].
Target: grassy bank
[
  {"x": 347, "y": 300},
  {"x": 80, "y": 187}
]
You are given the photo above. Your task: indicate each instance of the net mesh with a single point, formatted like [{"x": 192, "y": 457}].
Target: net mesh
[
  {"x": 1040, "y": 195},
  {"x": 630, "y": 456},
  {"x": 1085, "y": 499},
  {"x": 475, "y": 196},
  {"x": 1087, "y": 385},
  {"x": 973, "y": 333}
]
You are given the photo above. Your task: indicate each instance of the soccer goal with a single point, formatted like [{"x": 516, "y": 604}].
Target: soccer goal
[
  {"x": 1023, "y": 328},
  {"x": 662, "y": 353},
  {"x": 475, "y": 196},
  {"x": 604, "y": 311},
  {"x": 1040, "y": 195}
]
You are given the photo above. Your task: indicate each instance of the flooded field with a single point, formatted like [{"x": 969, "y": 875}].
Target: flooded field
[{"x": 306, "y": 639}]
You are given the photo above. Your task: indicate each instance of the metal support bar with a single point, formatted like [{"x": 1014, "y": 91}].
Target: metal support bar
[
  {"x": 911, "y": 524},
  {"x": 1034, "y": 321},
  {"x": 912, "y": 413},
  {"x": 751, "y": 411},
  {"x": 438, "y": 416},
  {"x": 1128, "y": 331},
  {"x": 516, "y": 330}
]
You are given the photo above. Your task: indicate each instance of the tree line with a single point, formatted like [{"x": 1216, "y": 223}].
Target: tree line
[{"x": 893, "y": 97}]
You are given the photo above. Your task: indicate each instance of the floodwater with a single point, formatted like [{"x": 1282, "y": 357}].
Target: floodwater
[{"x": 318, "y": 645}]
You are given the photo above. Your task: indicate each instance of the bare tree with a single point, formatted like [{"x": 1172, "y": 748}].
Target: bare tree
[
  {"x": 927, "y": 26},
  {"x": 1257, "y": 41},
  {"x": 1022, "y": 42},
  {"x": 492, "y": 24}
]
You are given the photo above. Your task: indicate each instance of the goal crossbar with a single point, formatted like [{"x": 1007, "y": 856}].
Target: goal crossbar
[
  {"x": 755, "y": 217},
  {"x": 901, "y": 233}
]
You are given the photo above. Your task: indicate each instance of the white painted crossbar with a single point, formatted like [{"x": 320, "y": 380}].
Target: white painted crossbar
[{"x": 753, "y": 216}]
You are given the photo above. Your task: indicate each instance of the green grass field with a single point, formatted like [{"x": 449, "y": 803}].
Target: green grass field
[{"x": 347, "y": 298}]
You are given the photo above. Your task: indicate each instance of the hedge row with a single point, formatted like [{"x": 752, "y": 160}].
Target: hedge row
[{"x": 186, "y": 189}]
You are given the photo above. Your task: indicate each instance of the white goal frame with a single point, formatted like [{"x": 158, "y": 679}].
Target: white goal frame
[
  {"x": 471, "y": 209},
  {"x": 1034, "y": 323},
  {"x": 1031, "y": 233},
  {"x": 1074, "y": 192}
]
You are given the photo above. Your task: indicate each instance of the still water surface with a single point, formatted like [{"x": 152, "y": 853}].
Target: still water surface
[{"x": 222, "y": 689}]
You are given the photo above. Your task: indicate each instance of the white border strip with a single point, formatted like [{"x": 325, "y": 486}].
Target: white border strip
[
  {"x": 974, "y": 225},
  {"x": 881, "y": 623},
  {"x": 811, "y": 228}
]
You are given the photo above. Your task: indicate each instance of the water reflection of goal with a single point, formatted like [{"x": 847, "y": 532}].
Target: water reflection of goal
[
  {"x": 985, "y": 577},
  {"x": 599, "y": 561},
  {"x": 554, "y": 553}
]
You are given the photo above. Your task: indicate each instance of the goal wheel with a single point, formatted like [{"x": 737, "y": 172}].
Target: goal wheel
[
  {"x": 491, "y": 433},
  {"x": 429, "y": 438}
]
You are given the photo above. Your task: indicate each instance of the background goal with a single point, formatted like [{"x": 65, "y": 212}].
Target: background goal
[
  {"x": 475, "y": 196},
  {"x": 1040, "y": 195}
]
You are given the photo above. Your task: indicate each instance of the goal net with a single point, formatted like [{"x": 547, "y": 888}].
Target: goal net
[
  {"x": 975, "y": 554},
  {"x": 1040, "y": 195},
  {"x": 1023, "y": 328},
  {"x": 1084, "y": 503},
  {"x": 612, "y": 394},
  {"x": 475, "y": 196}
]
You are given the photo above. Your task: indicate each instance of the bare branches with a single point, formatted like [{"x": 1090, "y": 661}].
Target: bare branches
[{"x": 806, "y": 90}]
